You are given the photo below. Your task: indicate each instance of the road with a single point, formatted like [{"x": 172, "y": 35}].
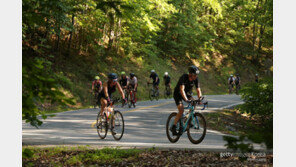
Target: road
[{"x": 144, "y": 127}]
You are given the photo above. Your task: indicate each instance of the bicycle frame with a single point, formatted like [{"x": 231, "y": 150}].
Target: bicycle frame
[{"x": 191, "y": 115}]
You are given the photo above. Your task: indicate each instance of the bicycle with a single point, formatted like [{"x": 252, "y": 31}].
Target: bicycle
[
  {"x": 131, "y": 98},
  {"x": 237, "y": 88},
  {"x": 126, "y": 97},
  {"x": 167, "y": 92},
  {"x": 95, "y": 99},
  {"x": 111, "y": 119},
  {"x": 153, "y": 93},
  {"x": 230, "y": 88},
  {"x": 192, "y": 122}
]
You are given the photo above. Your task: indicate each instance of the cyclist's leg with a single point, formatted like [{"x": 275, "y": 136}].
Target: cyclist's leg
[
  {"x": 135, "y": 97},
  {"x": 103, "y": 105},
  {"x": 180, "y": 106}
]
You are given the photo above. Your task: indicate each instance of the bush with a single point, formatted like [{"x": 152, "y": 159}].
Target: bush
[{"x": 258, "y": 98}]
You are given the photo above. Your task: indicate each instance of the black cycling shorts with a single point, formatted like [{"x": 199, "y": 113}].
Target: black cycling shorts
[
  {"x": 133, "y": 87},
  {"x": 156, "y": 83},
  {"x": 179, "y": 99}
]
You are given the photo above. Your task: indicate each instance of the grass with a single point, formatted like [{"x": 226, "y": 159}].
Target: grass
[
  {"x": 76, "y": 156},
  {"x": 230, "y": 121},
  {"x": 86, "y": 156}
]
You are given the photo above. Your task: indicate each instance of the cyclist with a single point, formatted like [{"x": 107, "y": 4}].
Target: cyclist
[
  {"x": 155, "y": 79},
  {"x": 231, "y": 82},
  {"x": 256, "y": 78},
  {"x": 109, "y": 87},
  {"x": 183, "y": 91},
  {"x": 133, "y": 83},
  {"x": 96, "y": 88},
  {"x": 97, "y": 85},
  {"x": 123, "y": 80},
  {"x": 167, "y": 80},
  {"x": 237, "y": 82}
]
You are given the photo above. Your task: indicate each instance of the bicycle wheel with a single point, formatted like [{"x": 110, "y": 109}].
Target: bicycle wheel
[
  {"x": 130, "y": 100},
  {"x": 197, "y": 128},
  {"x": 169, "y": 124},
  {"x": 157, "y": 95},
  {"x": 151, "y": 94},
  {"x": 165, "y": 94},
  {"x": 117, "y": 127},
  {"x": 102, "y": 126}
]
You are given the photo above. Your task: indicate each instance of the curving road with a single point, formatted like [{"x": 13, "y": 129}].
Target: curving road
[{"x": 144, "y": 127}]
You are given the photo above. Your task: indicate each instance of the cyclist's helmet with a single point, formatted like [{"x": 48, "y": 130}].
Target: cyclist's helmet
[
  {"x": 97, "y": 77},
  {"x": 152, "y": 71},
  {"x": 166, "y": 73},
  {"x": 193, "y": 70},
  {"x": 231, "y": 75},
  {"x": 122, "y": 73},
  {"x": 256, "y": 74},
  {"x": 132, "y": 75},
  {"x": 112, "y": 76}
]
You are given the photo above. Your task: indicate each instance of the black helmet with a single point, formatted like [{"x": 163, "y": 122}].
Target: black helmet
[
  {"x": 112, "y": 76},
  {"x": 132, "y": 75},
  {"x": 193, "y": 70}
]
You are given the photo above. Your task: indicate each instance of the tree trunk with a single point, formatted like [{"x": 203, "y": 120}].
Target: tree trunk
[{"x": 71, "y": 34}]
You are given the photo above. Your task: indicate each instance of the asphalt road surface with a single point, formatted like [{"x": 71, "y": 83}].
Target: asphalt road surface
[{"x": 144, "y": 127}]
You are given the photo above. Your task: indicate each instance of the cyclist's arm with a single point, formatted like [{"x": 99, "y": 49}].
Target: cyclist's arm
[
  {"x": 92, "y": 86},
  {"x": 105, "y": 87},
  {"x": 198, "y": 91},
  {"x": 182, "y": 91},
  {"x": 120, "y": 90},
  {"x": 136, "y": 83},
  {"x": 101, "y": 87}
]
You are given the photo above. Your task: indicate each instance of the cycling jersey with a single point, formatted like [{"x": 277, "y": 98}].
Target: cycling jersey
[
  {"x": 96, "y": 85},
  {"x": 184, "y": 80},
  {"x": 167, "y": 79},
  {"x": 154, "y": 76},
  {"x": 133, "y": 81},
  {"x": 123, "y": 81},
  {"x": 110, "y": 91},
  {"x": 230, "y": 80},
  {"x": 237, "y": 79}
]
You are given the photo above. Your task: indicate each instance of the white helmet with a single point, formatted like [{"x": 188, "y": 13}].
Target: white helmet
[
  {"x": 166, "y": 73},
  {"x": 231, "y": 75},
  {"x": 152, "y": 70}
]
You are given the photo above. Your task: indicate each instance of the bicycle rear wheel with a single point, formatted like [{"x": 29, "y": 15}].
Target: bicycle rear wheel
[
  {"x": 117, "y": 125},
  {"x": 169, "y": 124},
  {"x": 102, "y": 125},
  {"x": 197, "y": 128}
]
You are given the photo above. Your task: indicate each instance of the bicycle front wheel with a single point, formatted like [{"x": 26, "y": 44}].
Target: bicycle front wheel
[
  {"x": 102, "y": 126},
  {"x": 197, "y": 128},
  {"x": 157, "y": 95},
  {"x": 151, "y": 94},
  {"x": 117, "y": 127}
]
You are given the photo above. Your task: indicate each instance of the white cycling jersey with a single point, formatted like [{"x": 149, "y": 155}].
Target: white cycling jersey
[{"x": 133, "y": 81}]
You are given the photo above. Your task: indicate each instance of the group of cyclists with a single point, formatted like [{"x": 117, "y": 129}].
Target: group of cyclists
[
  {"x": 182, "y": 91},
  {"x": 236, "y": 81}
]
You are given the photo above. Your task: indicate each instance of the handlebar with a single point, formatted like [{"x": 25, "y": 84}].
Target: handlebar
[{"x": 196, "y": 102}]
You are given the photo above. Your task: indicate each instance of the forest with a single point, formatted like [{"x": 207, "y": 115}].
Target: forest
[{"x": 65, "y": 43}]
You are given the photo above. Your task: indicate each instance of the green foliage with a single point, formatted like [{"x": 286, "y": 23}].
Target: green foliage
[
  {"x": 258, "y": 98},
  {"x": 85, "y": 38},
  {"x": 39, "y": 87}
]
